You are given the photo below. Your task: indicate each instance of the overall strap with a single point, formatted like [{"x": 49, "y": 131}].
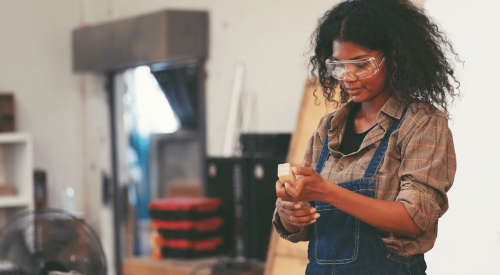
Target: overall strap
[
  {"x": 325, "y": 152},
  {"x": 374, "y": 164}
]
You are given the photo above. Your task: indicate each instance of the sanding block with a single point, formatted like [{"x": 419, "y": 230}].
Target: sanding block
[{"x": 285, "y": 173}]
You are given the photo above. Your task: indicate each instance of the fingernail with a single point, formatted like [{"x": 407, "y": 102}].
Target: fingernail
[
  {"x": 313, "y": 221},
  {"x": 316, "y": 216},
  {"x": 312, "y": 210},
  {"x": 297, "y": 206},
  {"x": 294, "y": 169}
]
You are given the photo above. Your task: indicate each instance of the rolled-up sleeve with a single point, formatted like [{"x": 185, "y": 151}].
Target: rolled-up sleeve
[
  {"x": 301, "y": 236},
  {"x": 427, "y": 171}
]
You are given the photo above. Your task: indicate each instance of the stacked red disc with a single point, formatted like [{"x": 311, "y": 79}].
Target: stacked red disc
[{"x": 186, "y": 227}]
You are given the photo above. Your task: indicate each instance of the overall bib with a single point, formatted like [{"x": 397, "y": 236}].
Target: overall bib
[{"x": 342, "y": 244}]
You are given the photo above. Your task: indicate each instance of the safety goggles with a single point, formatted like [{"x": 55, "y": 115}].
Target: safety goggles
[{"x": 359, "y": 69}]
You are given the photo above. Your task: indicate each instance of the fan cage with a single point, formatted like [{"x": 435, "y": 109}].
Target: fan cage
[{"x": 27, "y": 223}]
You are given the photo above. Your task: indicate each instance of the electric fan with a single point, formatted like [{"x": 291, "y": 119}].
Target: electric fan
[{"x": 50, "y": 242}]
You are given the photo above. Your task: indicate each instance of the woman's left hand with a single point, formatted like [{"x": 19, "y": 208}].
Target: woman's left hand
[{"x": 310, "y": 187}]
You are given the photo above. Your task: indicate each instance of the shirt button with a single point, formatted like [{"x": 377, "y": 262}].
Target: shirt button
[{"x": 341, "y": 167}]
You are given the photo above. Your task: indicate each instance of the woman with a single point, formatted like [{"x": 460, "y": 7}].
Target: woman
[{"x": 378, "y": 169}]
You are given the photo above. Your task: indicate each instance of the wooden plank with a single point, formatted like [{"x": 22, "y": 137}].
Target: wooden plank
[
  {"x": 287, "y": 265},
  {"x": 292, "y": 250},
  {"x": 312, "y": 109}
]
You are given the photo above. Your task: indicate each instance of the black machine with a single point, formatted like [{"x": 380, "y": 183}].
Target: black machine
[{"x": 246, "y": 186}]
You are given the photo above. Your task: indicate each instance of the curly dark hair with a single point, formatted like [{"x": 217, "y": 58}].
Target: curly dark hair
[{"x": 415, "y": 49}]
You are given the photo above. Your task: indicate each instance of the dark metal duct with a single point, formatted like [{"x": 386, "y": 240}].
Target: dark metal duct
[{"x": 143, "y": 40}]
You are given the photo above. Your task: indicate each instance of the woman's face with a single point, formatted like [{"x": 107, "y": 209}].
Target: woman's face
[{"x": 373, "y": 88}]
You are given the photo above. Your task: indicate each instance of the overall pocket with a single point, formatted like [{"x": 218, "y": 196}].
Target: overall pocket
[
  {"x": 392, "y": 255},
  {"x": 336, "y": 236}
]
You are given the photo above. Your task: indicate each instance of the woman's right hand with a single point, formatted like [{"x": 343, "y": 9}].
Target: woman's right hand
[{"x": 293, "y": 215}]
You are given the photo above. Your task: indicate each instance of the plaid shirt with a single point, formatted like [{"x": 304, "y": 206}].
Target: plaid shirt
[{"x": 418, "y": 168}]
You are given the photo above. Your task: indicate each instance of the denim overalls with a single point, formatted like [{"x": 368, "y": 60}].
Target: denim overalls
[{"x": 342, "y": 244}]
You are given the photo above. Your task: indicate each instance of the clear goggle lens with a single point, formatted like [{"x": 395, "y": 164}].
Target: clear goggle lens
[{"x": 359, "y": 69}]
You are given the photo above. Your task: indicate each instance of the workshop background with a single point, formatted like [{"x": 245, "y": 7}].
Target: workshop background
[{"x": 67, "y": 113}]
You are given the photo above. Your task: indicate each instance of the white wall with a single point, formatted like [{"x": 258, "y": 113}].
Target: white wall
[
  {"x": 469, "y": 233},
  {"x": 66, "y": 114},
  {"x": 35, "y": 65}
]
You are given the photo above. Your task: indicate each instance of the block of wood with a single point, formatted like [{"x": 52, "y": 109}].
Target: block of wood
[
  {"x": 285, "y": 173},
  {"x": 6, "y": 190},
  {"x": 7, "y": 121}
]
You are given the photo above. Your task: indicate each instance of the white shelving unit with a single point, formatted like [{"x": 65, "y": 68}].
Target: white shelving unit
[{"x": 18, "y": 163}]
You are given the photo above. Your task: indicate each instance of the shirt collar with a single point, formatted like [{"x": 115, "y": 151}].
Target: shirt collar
[
  {"x": 391, "y": 111},
  {"x": 392, "y": 108}
]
